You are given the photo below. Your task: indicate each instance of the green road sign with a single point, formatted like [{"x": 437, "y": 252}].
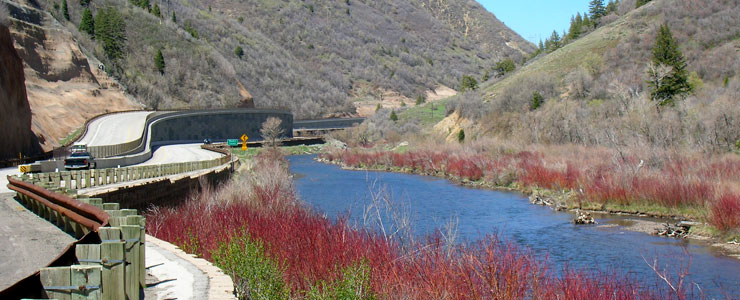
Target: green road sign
[{"x": 232, "y": 142}]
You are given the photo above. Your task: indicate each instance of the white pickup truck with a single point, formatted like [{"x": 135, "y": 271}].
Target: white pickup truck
[{"x": 79, "y": 159}]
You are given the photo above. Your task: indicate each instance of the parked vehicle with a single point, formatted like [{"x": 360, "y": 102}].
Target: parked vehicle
[
  {"x": 78, "y": 147},
  {"x": 79, "y": 161}
]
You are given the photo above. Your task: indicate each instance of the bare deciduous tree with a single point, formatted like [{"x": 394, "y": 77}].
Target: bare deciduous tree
[{"x": 271, "y": 131}]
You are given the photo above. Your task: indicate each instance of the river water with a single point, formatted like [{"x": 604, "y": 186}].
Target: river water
[{"x": 432, "y": 202}]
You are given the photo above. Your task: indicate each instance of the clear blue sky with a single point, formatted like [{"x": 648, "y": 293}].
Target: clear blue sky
[{"x": 535, "y": 19}]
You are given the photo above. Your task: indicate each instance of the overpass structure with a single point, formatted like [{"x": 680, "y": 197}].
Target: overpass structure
[{"x": 162, "y": 150}]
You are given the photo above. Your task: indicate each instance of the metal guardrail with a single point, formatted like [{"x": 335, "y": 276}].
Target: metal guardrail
[
  {"x": 83, "y": 179},
  {"x": 107, "y": 262}
]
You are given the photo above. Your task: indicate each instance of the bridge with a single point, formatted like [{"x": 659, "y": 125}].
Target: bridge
[{"x": 145, "y": 158}]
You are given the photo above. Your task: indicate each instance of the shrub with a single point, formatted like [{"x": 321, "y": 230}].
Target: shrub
[
  {"x": 468, "y": 83},
  {"x": 255, "y": 275},
  {"x": 725, "y": 212}
]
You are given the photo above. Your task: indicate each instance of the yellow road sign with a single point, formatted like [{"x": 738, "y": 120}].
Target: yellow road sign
[
  {"x": 244, "y": 137},
  {"x": 24, "y": 168}
]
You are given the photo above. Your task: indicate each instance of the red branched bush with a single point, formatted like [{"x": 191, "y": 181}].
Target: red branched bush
[
  {"x": 675, "y": 181},
  {"x": 313, "y": 248}
]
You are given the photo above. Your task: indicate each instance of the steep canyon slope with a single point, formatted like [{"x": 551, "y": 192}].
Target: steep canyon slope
[
  {"x": 64, "y": 85},
  {"x": 314, "y": 57}
]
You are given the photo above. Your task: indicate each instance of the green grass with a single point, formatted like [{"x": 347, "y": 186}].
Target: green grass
[
  {"x": 287, "y": 150},
  {"x": 425, "y": 114},
  {"x": 71, "y": 137}
]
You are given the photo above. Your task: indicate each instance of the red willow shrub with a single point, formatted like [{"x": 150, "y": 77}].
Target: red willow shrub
[
  {"x": 313, "y": 248},
  {"x": 674, "y": 182}
]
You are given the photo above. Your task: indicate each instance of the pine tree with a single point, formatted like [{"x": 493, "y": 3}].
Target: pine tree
[
  {"x": 541, "y": 46},
  {"x": 576, "y": 24},
  {"x": 159, "y": 61},
  {"x": 87, "y": 24},
  {"x": 65, "y": 10},
  {"x": 393, "y": 116},
  {"x": 239, "y": 52},
  {"x": 553, "y": 43},
  {"x": 641, "y": 3},
  {"x": 666, "y": 54},
  {"x": 536, "y": 101},
  {"x": 596, "y": 9},
  {"x": 461, "y": 135},
  {"x": 174, "y": 17},
  {"x": 110, "y": 31},
  {"x": 156, "y": 11}
]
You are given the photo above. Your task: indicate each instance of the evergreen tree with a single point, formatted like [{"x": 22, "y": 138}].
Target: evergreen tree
[
  {"x": 159, "y": 61},
  {"x": 553, "y": 43},
  {"x": 156, "y": 11},
  {"x": 87, "y": 24},
  {"x": 461, "y": 135},
  {"x": 675, "y": 83},
  {"x": 504, "y": 66},
  {"x": 174, "y": 17},
  {"x": 596, "y": 9},
  {"x": 239, "y": 52},
  {"x": 641, "y": 3},
  {"x": 541, "y": 46},
  {"x": 65, "y": 10},
  {"x": 468, "y": 83},
  {"x": 536, "y": 101},
  {"x": 587, "y": 21},
  {"x": 110, "y": 31},
  {"x": 393, "y": 117},
  {"x": 576, "y": 27}
]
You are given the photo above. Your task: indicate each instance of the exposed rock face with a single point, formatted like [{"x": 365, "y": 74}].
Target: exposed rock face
[
  {"x": 15, "y": 117},
  {"x": 64, "y": 86}
]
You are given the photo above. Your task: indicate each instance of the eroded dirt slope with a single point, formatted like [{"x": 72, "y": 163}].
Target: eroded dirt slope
[{"x": 65, "y": 87}]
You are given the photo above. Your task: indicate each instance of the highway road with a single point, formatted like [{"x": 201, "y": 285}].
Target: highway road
[
  {"x": 179, "y": 153},
  {"x": 115, "y": 128}
]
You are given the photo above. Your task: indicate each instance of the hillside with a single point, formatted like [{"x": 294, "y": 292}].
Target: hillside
[
  {"x": 596, "y": 92},
  {"x": 64, "y": 85},
  {"x": 315, "y": 57}
]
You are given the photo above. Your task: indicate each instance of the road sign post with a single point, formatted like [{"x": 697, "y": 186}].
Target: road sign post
[{"x": 244, "y": 142}]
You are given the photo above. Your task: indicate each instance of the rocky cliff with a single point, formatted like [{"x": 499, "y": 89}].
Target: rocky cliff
[{"x": 15, "y": 116}]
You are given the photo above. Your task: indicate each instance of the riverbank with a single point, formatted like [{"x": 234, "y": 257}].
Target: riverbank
[
  {"x": 256, "y": 228},
  {"x": 558, "y": 198}
]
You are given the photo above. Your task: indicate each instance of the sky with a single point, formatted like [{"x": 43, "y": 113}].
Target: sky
[{"x": 535, "y": 19}]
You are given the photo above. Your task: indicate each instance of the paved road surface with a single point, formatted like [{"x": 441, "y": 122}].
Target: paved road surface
[
  {"x": 27, "y": 242},
  {"x": 4, "y": 178},
  {"x": 116, "y": 128},
  {"x": 180, "y": 153}
]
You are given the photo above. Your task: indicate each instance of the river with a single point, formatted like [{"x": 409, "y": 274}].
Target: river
[{"x": 432, "y": 202}]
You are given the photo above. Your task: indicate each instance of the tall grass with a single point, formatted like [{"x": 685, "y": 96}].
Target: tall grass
[
  {"x": 270, "y": 235},
  {"x": 675, "y": 181}
]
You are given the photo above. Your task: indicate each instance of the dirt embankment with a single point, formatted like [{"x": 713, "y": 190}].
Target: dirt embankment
[
  {"x": 15, "y": 116},
  {"x": 65, "y": 87},
  {"x": 370, "y": 98}
]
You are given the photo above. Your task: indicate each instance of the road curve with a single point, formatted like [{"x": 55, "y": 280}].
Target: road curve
[
  {"x": 179, "y": 153},
  {"x": 116, "y": 128}
]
